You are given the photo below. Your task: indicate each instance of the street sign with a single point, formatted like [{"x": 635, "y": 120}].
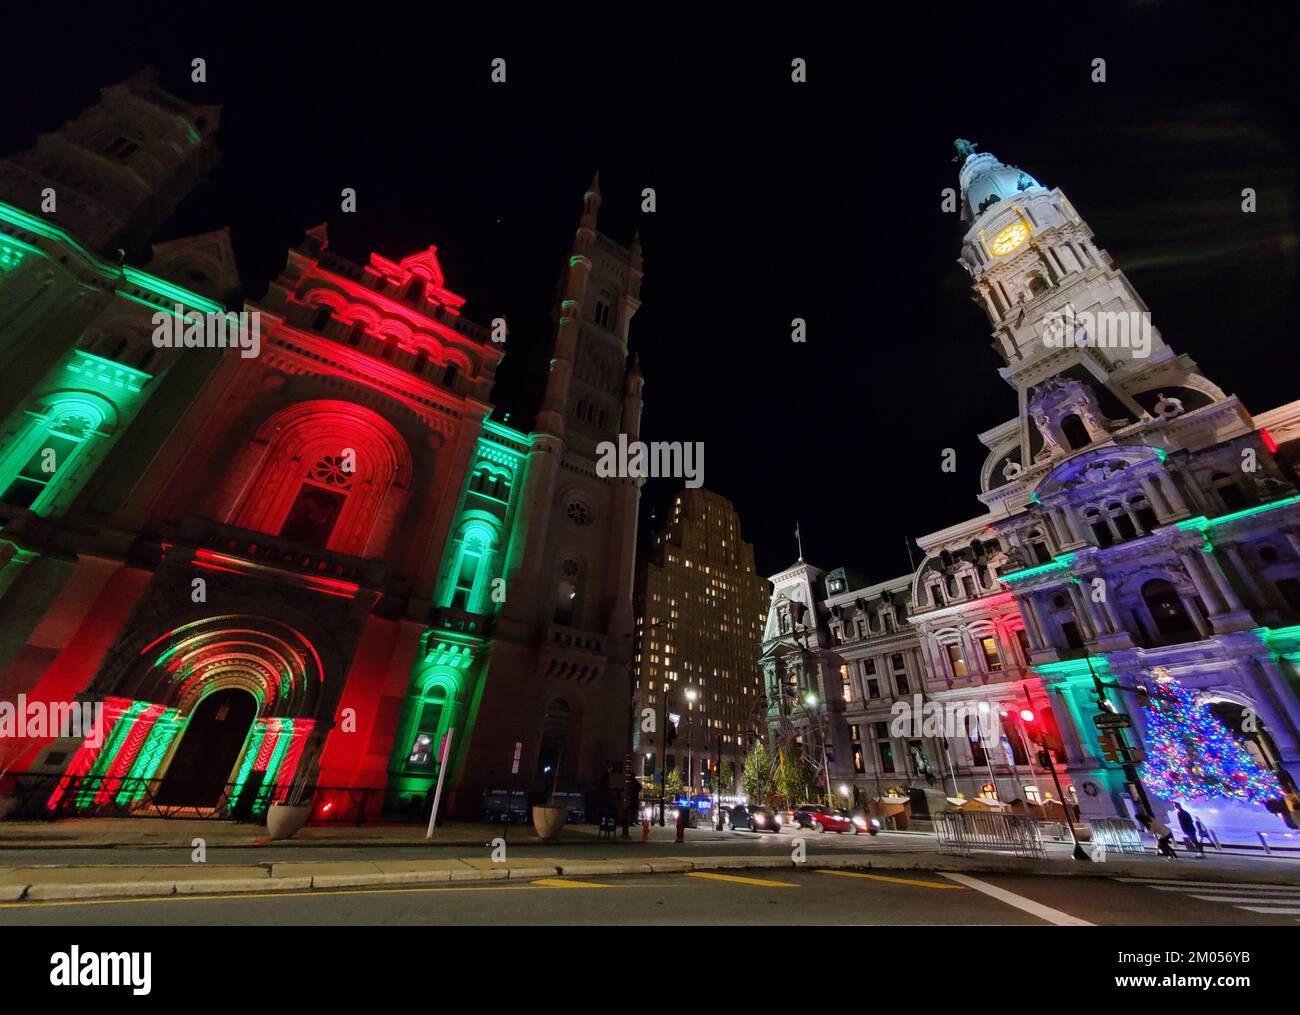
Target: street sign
[{"x": 1112, "y": 721}]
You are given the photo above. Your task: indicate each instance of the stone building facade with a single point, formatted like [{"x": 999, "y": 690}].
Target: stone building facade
[{"x": 324, "y": 559}]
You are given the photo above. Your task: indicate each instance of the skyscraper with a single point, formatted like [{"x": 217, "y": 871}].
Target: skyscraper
[{"x": 699, "y": 608}]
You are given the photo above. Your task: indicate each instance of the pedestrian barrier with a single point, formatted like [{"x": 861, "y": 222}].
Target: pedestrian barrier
[
  {"x": 1118, "y": 835},
  {"x": 963, "y": 832}
]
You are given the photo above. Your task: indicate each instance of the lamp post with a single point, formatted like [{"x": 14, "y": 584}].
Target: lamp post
[{"x": 691, "y": 695}]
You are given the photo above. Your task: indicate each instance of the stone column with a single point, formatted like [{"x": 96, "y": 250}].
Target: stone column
[
  {"x": 1193, "y": 564},
  {"x": 1090, "y": 630},
  {"x": 1159, "y": 503},
  {"x": 1175, "y": 496},
  {"x": 1221, "y": 581}
]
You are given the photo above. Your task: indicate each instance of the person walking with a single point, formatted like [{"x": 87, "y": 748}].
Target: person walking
[
  {"x": 1188, "y": 824},
  {"x": 1164, "y": 837},
  {"x": 1203, "y": 832}
]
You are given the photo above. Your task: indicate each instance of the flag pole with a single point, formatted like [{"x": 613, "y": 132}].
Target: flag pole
[{"x": 442, "y": 773}]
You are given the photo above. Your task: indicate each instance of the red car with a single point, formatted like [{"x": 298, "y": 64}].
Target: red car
[{"x": 829, "y": 819}]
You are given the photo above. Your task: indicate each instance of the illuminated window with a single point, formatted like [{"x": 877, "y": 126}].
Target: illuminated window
[
  {"x": 992, "y": 658},
  {"x": 956, "y": 660}
]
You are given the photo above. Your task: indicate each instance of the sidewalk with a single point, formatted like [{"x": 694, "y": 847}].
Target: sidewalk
[{"x": 463, "y": 853}]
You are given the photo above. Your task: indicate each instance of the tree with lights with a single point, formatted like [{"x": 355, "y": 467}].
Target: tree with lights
[{"x": 1192, "y": 755}]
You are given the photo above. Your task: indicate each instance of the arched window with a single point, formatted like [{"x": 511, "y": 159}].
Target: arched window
[
  {"x": 319, "y": 501},
  {"x": 1037, "y": 285},
  {"x": 469, "y": 576},
  {"x": 415, "y": 289},
  {"x": 327, "y": 473},
  {"x": 1166, "y": 608},
  {"x": 1074, "y": 432},
  {"x": 426, "y": 736},
  {"x": 35, "y": 464}
]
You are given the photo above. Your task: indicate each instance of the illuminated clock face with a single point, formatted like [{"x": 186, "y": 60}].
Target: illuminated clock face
[{"x": 1009, "y": 238}]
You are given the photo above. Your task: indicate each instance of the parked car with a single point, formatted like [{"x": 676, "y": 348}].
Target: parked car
[
  {"x": 755, "y": 819},
  {"x": 802, "y": 816}
]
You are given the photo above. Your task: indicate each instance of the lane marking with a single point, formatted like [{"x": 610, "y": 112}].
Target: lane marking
[
  {"x": 893, "y": 881},
  {"x": 735, "y": 879},
  {"x": 1020, "y": 902},
  {"x": 566, "y": 883},
  {"x": 1271, "y": 912}
]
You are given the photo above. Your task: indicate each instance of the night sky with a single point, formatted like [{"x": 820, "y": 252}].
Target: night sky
[{"x": 775, "y": 201}]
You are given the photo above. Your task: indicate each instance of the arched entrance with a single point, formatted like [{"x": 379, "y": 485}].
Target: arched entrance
[{"x": 205, "y": 758}]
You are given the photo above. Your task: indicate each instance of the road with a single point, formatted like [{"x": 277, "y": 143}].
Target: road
[{"x": 803, "y": 897}]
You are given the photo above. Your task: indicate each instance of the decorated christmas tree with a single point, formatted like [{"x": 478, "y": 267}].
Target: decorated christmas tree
[{"x": 1192, "y": 755}]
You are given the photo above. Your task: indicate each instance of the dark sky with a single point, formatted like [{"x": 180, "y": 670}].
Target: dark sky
[{"x": 775, "y": 201}]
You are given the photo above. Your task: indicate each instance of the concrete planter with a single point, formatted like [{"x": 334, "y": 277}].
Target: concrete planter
[
  {"x": 284, "y": 820},
  {"x": 548, "y": 821}
]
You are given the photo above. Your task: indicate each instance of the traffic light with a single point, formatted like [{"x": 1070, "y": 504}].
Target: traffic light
[{"x": 1109, "y": 748}]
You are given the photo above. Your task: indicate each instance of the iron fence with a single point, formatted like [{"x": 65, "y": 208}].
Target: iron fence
[
  {"x": 1118, "y": 835},
  {"x": 963, "y": 832}
]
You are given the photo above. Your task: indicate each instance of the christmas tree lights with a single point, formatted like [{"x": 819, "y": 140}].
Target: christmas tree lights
[{"x": 1192, "y": 755}]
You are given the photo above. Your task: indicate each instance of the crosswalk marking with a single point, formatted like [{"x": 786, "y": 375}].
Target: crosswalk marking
[
  {"x": 893, "y": 881},
  {"x": 1183, "y": 883},
  {"x": 1224, "y": 888},
  {"x": 1265, "y": 899},
  {"x": 1281, "y": 899},
  {"x": 1054, "y": 916},
  {"x": 736, "y": 879}
]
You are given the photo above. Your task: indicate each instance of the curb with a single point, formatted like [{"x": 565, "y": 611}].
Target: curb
[{"x": 591, "y": 868}]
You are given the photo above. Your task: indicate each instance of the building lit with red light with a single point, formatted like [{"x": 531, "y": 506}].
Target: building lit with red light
[{"x": 325, "y": 560}]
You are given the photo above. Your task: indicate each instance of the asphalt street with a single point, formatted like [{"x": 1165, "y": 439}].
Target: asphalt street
[{"x": 723, "y": 898}]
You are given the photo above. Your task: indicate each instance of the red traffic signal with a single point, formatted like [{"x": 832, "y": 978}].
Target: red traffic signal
[{"x": 1027, "y": 714}]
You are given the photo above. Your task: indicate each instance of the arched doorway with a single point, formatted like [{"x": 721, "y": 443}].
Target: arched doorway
[
  {"x": 556, "y": 722},
  {"x": 209, "y": 748}
]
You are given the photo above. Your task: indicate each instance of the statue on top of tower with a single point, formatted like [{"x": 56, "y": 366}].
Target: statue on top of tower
[{"x": 965, "y": 149}]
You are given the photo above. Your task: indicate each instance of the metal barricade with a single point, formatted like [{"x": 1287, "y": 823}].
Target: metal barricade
[
  {"x": 963, "y": 832},
  {"x": 1118, "y": 835}
]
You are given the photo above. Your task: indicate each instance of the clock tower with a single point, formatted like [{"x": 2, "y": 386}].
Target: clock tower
[{"x": 1076, "y": 338}]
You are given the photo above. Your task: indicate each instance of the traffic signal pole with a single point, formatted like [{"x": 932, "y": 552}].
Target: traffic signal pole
[
  {"x": 1121, "y": 741},
  {"x": 1045, "y": 759}
]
